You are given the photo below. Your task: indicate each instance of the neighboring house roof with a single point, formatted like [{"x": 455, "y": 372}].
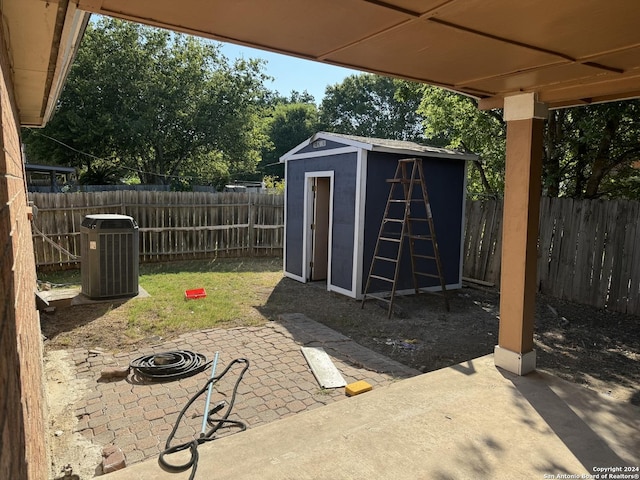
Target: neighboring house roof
[
  {"x": 377, "y": 145},
  {"x": 34, "y": 167}
]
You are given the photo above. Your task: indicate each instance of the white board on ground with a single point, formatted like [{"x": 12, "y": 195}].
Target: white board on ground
[{"x": 323, "y": 368}]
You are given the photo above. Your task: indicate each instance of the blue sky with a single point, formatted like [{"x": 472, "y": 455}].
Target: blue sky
[{"x": 291, "y": 73}]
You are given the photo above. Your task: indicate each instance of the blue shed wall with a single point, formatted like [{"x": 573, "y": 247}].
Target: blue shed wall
[
  {"x": 445, "y": 180},
  {"x": 344, "y": 193}
]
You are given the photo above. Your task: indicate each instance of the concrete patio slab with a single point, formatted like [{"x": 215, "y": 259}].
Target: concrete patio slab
[{"x": 469, "y": 421}]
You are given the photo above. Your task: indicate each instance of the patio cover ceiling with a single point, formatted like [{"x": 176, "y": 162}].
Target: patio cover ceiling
[{"x": 570, "y": 52}]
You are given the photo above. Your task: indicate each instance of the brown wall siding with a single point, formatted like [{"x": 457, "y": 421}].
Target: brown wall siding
[{"x": 23, "y": 449}]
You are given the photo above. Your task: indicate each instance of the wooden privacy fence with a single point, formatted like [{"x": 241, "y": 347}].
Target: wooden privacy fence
[
  {"x": 172, "y": 225},
  {"x": 588, "y": 250}
]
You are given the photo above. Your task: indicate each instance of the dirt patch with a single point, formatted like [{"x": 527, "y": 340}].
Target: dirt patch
[
  {"x": 595, "y": 348},
  {"x": 591, "y": 347},
  {"x": 68, "y": 446}
]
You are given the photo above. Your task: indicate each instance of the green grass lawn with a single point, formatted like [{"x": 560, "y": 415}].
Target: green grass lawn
[{"x": 234, "y": 287}]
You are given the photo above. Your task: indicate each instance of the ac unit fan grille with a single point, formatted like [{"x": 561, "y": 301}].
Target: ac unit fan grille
[{"x": 117, "y": 277}]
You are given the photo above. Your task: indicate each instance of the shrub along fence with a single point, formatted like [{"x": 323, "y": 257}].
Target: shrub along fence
[
  {"x": 172, "y": 225},
  {"x": 588, "y": 250}
]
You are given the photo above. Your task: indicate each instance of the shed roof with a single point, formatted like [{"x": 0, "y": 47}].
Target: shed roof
[{"x": 377, "y": 145}]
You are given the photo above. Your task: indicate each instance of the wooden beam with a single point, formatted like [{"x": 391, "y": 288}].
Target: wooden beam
[
  {"x": 490, "y": 103},
  {"x": 514, "y": 351}
]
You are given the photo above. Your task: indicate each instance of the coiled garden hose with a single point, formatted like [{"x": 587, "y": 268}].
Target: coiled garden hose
[{"x": 170, "y": 365}]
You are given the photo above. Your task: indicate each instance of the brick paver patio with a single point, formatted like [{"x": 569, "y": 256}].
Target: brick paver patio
[{"x": 138, "y": 416}]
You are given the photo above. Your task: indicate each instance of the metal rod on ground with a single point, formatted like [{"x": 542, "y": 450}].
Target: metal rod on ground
[{"x": 206, "y": 407}]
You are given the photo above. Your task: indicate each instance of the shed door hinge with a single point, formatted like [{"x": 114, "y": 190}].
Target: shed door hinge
[{"x": 311, "y": 264}]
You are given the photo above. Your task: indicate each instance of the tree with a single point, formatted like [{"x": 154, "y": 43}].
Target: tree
[
  {"x": 589, "y": 152},
  {"x": 165, "y": 106},
  {"x": 597, "y": 146},
  {"x": 456, "y": 121},
  {"x": 290, "y": 122},
  {"x": 373, "y": 106}
]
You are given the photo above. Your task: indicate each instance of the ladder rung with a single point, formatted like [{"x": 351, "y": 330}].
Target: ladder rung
[
  {"x": 402, "y": 180},
  {"x": 428, "y": 257},
  {"x": 377, "y": 297},
  {"x": 431, "y": 275},
  {"x": 390, "y": 280},
  {"x": 389, "y": 239},
  {"x": 420, "y": 237},
  {"x": 416, "y": 219},
  {"x": 395, "y": 220},
  {"x": 386, "y": 259}
]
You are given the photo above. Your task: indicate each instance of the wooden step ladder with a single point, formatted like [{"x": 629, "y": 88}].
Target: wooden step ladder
[{"x": 405, "y": 208}]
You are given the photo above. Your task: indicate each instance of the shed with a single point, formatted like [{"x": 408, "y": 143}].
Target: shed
[{"x": 335, "y": 197}]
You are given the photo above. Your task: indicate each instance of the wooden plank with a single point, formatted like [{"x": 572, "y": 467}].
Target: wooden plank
[
  {"x": 251, "y": 237},
  {"x": 579, "y": 286},
  {"x": 556, "y": 243},
  {"x": 633, "y": 303},
  {"x": 472, "y": 239},
  {"x": 326, "y": 373},
  {"x": 479, "y": 240},
  {"x": 493, "y": 274},
  {"x": 627, "y": 225},
  {"x": 609, "y": 254},
  {"x": 545, "y": 229},
  {"x": 599, "y": 212},
  {"x": 618, "y": 264},
  {"x": 568, "y": 253},
  {"x": 489, "y": 233},
  {"x": 466, "y": 264}
]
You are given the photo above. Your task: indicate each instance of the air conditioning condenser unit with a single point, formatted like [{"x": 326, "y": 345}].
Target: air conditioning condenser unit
[{"x": 109, "y": 256}]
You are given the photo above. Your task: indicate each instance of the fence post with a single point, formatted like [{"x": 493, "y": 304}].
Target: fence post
[{"x": 252, "y": 233}]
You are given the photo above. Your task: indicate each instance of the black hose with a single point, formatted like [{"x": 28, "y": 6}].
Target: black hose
[
  {"x": 214, "y": 423},
  {"x": 170, "y": 365}
]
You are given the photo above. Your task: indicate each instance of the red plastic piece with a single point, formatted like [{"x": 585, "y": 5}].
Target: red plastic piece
[{"x": 195, "y": 294}]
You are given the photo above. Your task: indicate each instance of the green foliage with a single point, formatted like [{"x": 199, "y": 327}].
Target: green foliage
[
  {"x": 592, "y": 151},
  {"x": 101, "y": 174},
  {"x": 274, "y": 184},
  {"x": 589, "y": 151},
  {"x": 373, "y": 106},
  {"x": 289, "y": 123},
  {"x": 161, "y": 104},
  {"x": 456, "y": 121}
]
